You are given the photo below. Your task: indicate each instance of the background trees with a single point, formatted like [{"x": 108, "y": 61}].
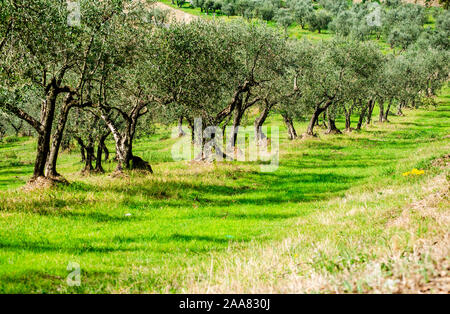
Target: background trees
[
  {"x": 284, "y": 18},
  {"x": 337, "y": 73},
  {"x": 301, "y": 10},
  {"x": 393, "y": 19},
  {"x": 319, "y": 20}
]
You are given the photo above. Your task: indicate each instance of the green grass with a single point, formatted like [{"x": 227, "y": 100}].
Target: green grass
[{"x": 185, "y": 214}]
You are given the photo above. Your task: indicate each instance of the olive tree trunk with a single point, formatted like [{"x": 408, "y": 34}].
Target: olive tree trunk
[
  {"x": 181, "y": 133},
  {"x": 44, "y": 133},
  {"x": 124, "y": 140},
  {"x": 370, "y": 108},
  {"x": 386, "y": 113},
  {"x": 381, "y": 116},
  {"x": 332, "y": 129},
  {"x": 362, "y": 115},
  {"x": 292, "y": 134},
  {"x": 100, "y": 148},
  {"x": 259, "y": 121},
  {"x": 317, "y": 111},
  {"x": 50, "y": 167}
]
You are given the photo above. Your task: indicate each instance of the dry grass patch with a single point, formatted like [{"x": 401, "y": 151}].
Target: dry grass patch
[{"x": 388, "y": 258}]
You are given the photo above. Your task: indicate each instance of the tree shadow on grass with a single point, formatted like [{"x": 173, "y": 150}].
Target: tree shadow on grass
[
  {"x": 193, "y": 238},
  {"x": 139, "y": 243},
  {"x": 37, "y": 247},
  {"x": 271, "y": 188},
  {"x": 260, "y": 216},
  {"x": 98, "y": 217},
  {"x": 12, "y": 182},
  {"x": 14, "y": 175}
]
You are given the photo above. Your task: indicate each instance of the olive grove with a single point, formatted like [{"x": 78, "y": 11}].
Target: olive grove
[{"x": 120, "y": 72}]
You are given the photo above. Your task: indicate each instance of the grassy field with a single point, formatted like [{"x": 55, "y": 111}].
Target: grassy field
[{"x": 337, "y": 216}]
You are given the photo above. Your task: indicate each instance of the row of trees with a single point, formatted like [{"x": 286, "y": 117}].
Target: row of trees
[
  {"x": 119, "y": 72},
  {"x": 398, "y": 23}
]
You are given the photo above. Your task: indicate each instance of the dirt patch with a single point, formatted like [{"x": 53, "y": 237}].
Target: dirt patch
[
  {"x": 176, "y": 15},
  {"x": 443, "y": 162},
  {"x": 117, "y": 174},
  {"x": 305, "y": 136},
  {"x": 39, "y": 184}
]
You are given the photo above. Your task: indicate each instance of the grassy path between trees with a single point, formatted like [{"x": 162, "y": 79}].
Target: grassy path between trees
[{"x": 338, "y": 215}]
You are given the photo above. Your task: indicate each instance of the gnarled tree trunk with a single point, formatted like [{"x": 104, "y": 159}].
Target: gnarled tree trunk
[
  {"x": 181, "y": 133},
  {"x": 361, "y": 115},
  {"x": 317, "y": 111},
  {"x": 100, "y": 148},
  {"x": 312, "y": 122},
  {"x": 332, "y": 129},
  {"x": 292, "y": 134},
  {"x": 50, "y": 167},
  {"x": 386, "y": 113},
  {"x": 105, "y": 151},
  {"x": 370, "y": 108},
  {"x": 348, "y": 116},
  {"x": 82, "y": 149},
  {"x": 324, "y": 120},
  {"x": 400, "y": 107},
  {"x": 238, "y": 114},
  {"x": 89, "y": 156},
  {"x": 44, "y": 134},
  {"x": 124, "y": 140},
  {"x": 381, "y": 116},
  {"x": 240, "y": 108},
  {"x": 259, "y": 121}
]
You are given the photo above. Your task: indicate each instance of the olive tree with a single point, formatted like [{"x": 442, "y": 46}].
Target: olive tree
[
  {"x": 404, "y": 35},
  {"x": 337, "y": 74},
  {"x": 263, "y": 58},
  {"x": 301, "y": 9},
  {"x": 335, "y": 6},
  {"x": 438, "y": 37},
  {"x": 265, "y": 10},
  {"x": 319, "y": 20},
  {"x": 343, "y": 23},
  {"x": 281, "y": 91},
  {"x": 124, "y": 88},
  {"x": 284, "y": 18},
  {"x": 52, "y": 60}
]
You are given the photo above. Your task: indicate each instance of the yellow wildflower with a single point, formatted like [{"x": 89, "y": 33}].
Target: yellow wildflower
[
  {"x": 414, "y": 172},
  {"x": 417, "y": 172}
]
